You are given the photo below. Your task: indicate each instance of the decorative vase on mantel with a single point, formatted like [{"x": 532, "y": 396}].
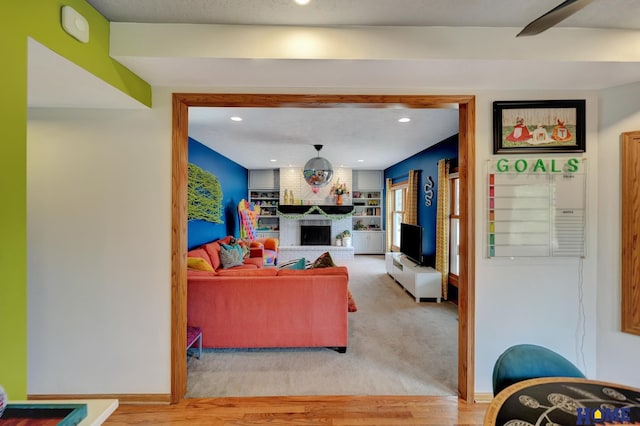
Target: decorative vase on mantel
[{"x": 339, "y": 200}]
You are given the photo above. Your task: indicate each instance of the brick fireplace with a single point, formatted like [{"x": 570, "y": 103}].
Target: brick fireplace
[{"x": 291, "y": 234}]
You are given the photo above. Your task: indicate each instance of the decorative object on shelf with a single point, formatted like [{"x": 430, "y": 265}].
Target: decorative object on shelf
[
  {"x": 339, "y": 239},
  {"x": 521, "y": 127},
  {"x": 339, "y": 189},
  {"x": 313, "y": 209},
  {"x": 318, "y": 171},
  {"x": 346, "y": 238},
  {"x": 359, "y": 226},
  {"x": 204, "y": 194}
]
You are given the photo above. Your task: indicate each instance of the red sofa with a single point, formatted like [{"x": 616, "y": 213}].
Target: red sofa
[{"x": 265, "y": 307}]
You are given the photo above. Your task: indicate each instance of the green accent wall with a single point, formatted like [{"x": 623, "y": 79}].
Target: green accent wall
[{"x": 40, "y": 20}]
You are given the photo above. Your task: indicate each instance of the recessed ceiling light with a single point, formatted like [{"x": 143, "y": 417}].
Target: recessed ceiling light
[
  {"x": 360, "y": 161},
  {"x": 302, "y": 2},
  {"x": 236, "y": 118},
  {"x": 404, "y": 120},
  {"x": 273, "y": 160}
]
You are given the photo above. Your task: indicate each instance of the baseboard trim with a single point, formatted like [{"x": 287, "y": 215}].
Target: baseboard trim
[
  {"x": 123, "y": 398},
  {"x": 483, "y": 397}
]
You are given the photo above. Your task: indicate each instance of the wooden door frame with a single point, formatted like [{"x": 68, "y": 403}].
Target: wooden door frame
[{"x": 179, "y": 176}]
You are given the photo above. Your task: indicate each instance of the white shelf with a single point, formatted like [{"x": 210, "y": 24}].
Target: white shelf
[
  {"x": 367, "y": 202},
  {"x": 268, "y": 201}
]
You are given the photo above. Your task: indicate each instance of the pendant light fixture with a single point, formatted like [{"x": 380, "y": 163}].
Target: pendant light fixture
[{"x": 318, "y": 171}]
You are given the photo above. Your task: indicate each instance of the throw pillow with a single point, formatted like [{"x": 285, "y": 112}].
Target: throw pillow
[
  {"x": 294, "y": 264},
  {"x": 199, "y": 264},
  {"x": 323, "y": 261},
  {"x": 244, "y": 245},
  {"x": 351, "y": 304},
  {"x": 234, "y": 246},
  {"x": 230, "y": 257}
]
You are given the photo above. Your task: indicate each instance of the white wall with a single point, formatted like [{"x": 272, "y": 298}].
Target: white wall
[
  {"x": 99, "y": 243},
  {"x": 529, "y": 300},
  {"x": 291, "y": 179},
  {"x": 617, "y": 353},
  {"x": 99, "y": 216}
]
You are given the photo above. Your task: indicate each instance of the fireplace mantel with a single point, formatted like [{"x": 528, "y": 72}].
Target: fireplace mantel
[{"x": 303, "y": 210}]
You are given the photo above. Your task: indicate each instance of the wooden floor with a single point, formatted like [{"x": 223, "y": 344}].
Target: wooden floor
[{"x": 304, "y": 411}]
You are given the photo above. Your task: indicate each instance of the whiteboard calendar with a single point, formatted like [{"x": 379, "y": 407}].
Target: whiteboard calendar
[{"x": 537, "y": 207}]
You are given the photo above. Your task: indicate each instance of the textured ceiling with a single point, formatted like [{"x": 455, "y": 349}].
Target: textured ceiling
[
  {"x": 348, "y": 134},
  {"x": 621, "y": 14}
]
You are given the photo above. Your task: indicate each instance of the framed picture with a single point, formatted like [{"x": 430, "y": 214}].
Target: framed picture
[{"x": 521, "y": 127}]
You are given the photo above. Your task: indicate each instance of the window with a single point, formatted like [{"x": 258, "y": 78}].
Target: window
[
  {"x": 399, "y": 194},
  {"x": 454, "y": 229}
]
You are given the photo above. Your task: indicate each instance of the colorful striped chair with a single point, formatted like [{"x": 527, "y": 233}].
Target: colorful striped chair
[{"x": 249, "y": 214}]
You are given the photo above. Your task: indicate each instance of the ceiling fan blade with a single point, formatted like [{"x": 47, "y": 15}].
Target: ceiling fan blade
[{"x": 552, "y": 17}]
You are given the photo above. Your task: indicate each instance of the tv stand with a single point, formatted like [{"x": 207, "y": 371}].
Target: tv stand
[{"x": 421, "y": 282}]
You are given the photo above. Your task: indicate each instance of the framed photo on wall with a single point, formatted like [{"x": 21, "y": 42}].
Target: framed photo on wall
[{"x": 521, "y": 127}]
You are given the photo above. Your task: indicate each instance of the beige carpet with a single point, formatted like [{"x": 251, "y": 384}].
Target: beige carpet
[{"x": 396, "y": 347}]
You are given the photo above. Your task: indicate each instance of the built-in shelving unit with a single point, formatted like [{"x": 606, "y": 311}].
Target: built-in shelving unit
[
  {"x": 264, "y": 191},
  {"x": 368, "y": 235},
  {"x": 368, "y": 210}
]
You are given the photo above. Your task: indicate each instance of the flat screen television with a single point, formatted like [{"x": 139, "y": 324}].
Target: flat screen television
[{"x": 411, "y": 242}]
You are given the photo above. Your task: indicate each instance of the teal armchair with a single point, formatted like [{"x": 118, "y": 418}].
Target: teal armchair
[{"x": 522, "y": 362}]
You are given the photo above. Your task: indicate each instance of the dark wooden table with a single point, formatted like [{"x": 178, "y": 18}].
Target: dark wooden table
[{"x": 564, "y": 401}]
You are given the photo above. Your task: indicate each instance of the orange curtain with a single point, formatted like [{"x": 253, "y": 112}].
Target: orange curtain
[
  {"x": 442, "y": 225},
  {"x": 411, "y": 204},
  {"x": 388, "y": 215}
]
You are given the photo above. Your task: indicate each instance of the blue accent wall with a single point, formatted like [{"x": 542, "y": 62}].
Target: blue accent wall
[
  {"x": 234, "y": 180},
  {"x": 427, "y": 162}
]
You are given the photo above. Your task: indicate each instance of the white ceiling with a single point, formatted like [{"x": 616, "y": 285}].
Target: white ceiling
[
  {"x": 348, "y": 134},
  {"x": 622, "y": 14}
]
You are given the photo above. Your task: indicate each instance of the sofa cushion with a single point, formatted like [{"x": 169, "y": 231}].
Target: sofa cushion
[
  {"x": 246, "y": 271},
  {"x": 230, "y": 257},
  {"x": 201, "y": 253},
  {"x": 193, "y": 273},
  {"x": 332, "y": 270},
  {"x": 198, "y": 263},
  {"x": 253, "y": 262},
  {"x": 213, "y": 250}
]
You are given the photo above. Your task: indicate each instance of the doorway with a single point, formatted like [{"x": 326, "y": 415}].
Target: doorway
[{"x": 466, "y": 147}]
